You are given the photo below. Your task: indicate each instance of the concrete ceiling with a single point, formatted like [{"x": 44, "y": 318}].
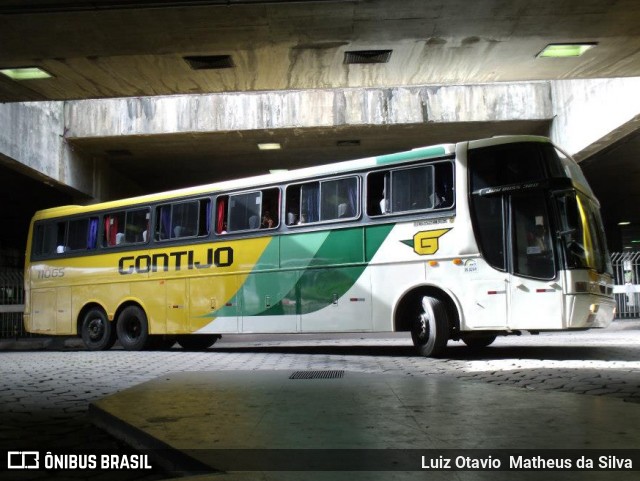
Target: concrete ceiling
[
  {"x": 119, "y": 48},
  {"x": 94, "y": 49}
]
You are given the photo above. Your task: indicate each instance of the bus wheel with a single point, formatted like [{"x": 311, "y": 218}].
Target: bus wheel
[
  {"x": 197, "y": 342},
  {"x": 430, "y": 327},
  {"x": 478, "y": 342},
  {"x": 96, "y": 331},
  {"x": 133, "y": 329}
]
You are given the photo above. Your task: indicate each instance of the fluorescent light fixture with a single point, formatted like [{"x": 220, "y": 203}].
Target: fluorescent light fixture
[
  {"x": 269, "y": 146},
  {"x": 624, "y": 222},
  {"x": 564, "y": 50},
  {"x": 278, "y": 171},
  {"x": 25, "y": 73}
]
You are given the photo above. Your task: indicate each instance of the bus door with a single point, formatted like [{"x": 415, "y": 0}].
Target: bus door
[
  {"x": 489, "y": 285},
  {"x": 535, "y": 288}
]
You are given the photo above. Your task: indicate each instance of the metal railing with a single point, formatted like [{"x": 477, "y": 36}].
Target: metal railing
[
  {"x": 626, "y": 270},
  {"x": 12, "y": 304}
]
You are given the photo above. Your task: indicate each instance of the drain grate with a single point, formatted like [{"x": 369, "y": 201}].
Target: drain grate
[{"x": 317, "y": 375}]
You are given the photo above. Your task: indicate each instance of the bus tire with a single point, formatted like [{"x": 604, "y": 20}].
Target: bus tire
[
  {"x": 478, "y": 342},
  {"x": 430, "y": 327},
  {"x": 96, "y": 331},
  {"x": 133, "y": 329},
  {"x": 197, "y": 342}
]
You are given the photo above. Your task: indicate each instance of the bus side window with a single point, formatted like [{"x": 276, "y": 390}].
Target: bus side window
[
  {"x": 293, "y": 204},
  {"x": 221, "y": 214},
  {"x": 332, "y": 199},
  {"x": 303, "y": 203},
  {"x": 49, "y": 239},
  {"x": 339, "y": 199},
  {"x": 309, "y": 202},
  {"x": 426, "y": 187},
  {"x": 136, "y": 223},
  {"x": 83, "y": 234},
  {"x": 61, "y": 237},
  {"x": 204, "y": 221},
  {"x": 182, "y": 219},
  {"x": 270, "y": 209},
  {"x": 250, "y": 211},
  {"x": 378, "y": 193},
  {"x": 444, "y": 192}
]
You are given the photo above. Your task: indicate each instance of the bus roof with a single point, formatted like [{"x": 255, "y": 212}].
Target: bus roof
[
  {"x": 429, "y": 152},
  {"x": 259, "y": 180}
]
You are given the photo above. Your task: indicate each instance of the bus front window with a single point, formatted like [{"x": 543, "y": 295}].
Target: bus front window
[{"x": 582, "y": 234}]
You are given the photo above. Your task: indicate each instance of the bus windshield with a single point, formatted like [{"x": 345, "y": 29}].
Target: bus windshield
[{"x": 582, "y": 234}]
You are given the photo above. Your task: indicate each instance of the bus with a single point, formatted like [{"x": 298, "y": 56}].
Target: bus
[{"x": 461, "y": 242}]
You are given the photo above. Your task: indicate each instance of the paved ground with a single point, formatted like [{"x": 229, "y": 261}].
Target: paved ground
[{"x": 45, "y": 391}]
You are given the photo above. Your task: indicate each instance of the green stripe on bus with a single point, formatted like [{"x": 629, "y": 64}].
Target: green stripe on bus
[
  {"x": 319, "y": 286},
  {"x": 425, "y": 153},
  {"x": 325, "y": 265}
]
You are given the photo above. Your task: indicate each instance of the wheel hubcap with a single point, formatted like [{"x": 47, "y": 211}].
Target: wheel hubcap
[
  {"x": 423, "y": 326},
  {"x": 96, "y": 329},
  {"x": 133, "y": 329}
]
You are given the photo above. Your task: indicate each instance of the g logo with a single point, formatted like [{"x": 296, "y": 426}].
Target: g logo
[{"x": 426, "y": 242}]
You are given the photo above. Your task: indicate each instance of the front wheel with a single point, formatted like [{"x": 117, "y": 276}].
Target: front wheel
[
  {"x": 478, "y": 341},
  {"x": 430, "y": 327},
  {"x": 133, "y": 329},
  {"x": 96, "y": 331}
]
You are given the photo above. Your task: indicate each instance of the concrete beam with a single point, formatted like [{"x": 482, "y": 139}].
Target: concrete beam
[
  {"x": 590, "y": 115},
  {"x": 32, "y": 141},
  {"x": 177, "y": 114}
]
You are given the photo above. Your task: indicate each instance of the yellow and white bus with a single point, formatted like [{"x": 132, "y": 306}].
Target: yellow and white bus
[{"x": 462, "y": 241}]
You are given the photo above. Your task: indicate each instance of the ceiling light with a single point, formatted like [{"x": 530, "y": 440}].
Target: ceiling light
[
  {"x": 563, "y": 50},
  {"x": 624, "y": 222},
  {"x": 269, "y": 146},
  {"x": 25, "y": 73},
  {"x": 278, "y": 171}
]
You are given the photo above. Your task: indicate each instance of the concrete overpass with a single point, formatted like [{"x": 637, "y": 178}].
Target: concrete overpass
[{"x": 143, "y": 98}]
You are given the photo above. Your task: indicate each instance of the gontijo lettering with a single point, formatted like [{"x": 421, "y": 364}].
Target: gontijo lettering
[{"x": 178, "y": 260}]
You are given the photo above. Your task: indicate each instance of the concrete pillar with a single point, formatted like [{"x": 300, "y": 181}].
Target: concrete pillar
[{"x": 590, "y": 115}]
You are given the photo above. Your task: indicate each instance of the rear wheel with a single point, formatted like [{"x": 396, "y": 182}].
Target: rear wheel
[
  {"x": 197, "y": 342},
  {"x": 133, "y": 328},
  {"x": 430, "y": 327},
  {"x": 96, "y": 331}
]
